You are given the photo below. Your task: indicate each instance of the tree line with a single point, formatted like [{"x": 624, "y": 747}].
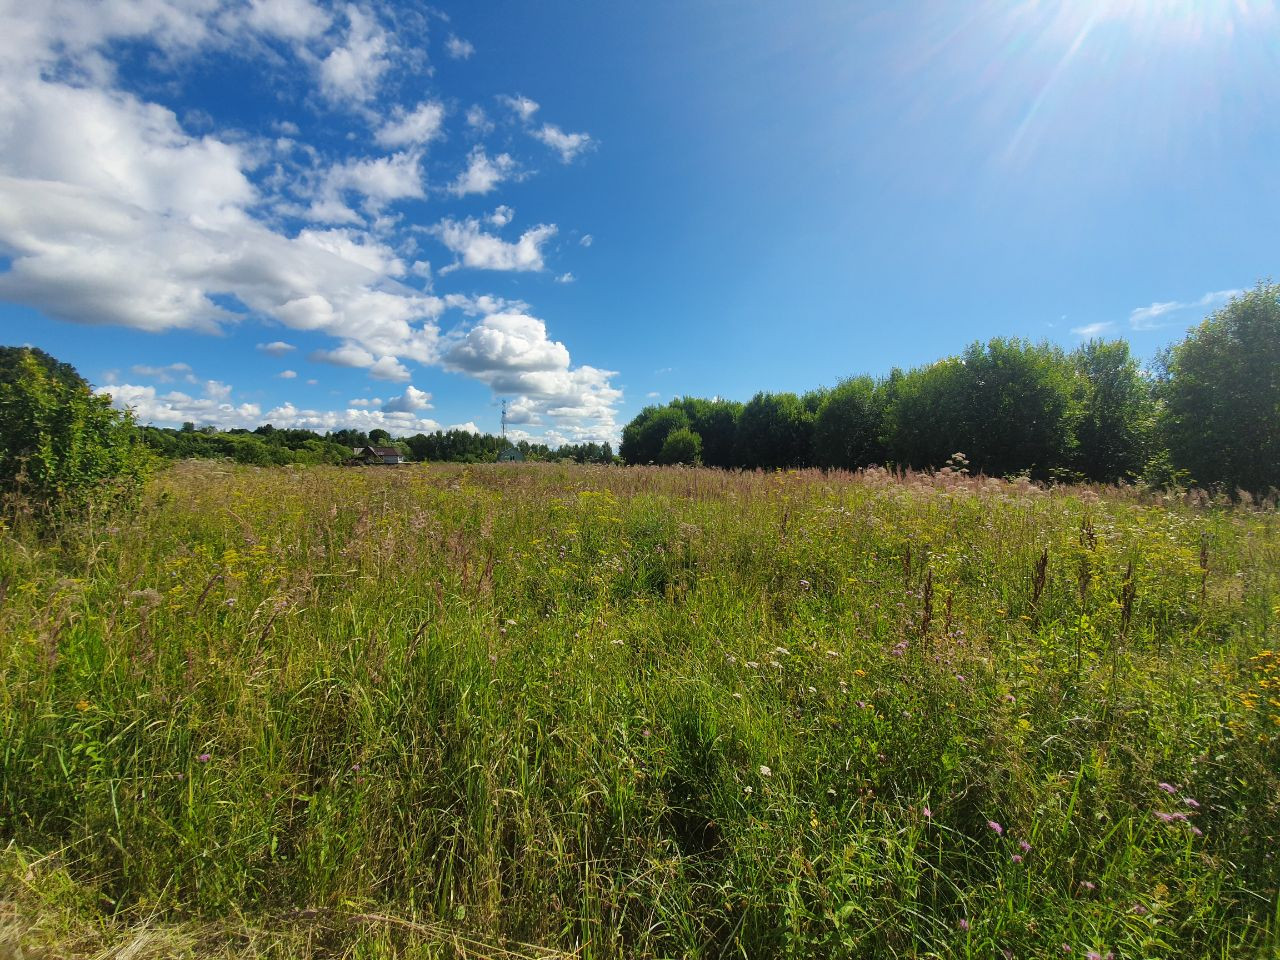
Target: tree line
[{"x": 1207, "y": 412}]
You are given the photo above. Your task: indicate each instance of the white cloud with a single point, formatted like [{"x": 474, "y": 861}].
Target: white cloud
[
  {"x": 218, "y": 409},
  {"x": 165, "y": 374},
  {"x": 568, "y": 145},
  {"x": 411, "y": 401},
  {"x": 111, "y": 212},
  {"x": 478, "y": 120},
  {"x": 482, "y": 174},
  {"x": 1093, "y": 329},
  {"x": 566, "y": 278},
  {"x": 587, "y": 240},
  {"x": 1145, "y": 318},
  {"x": 458, "y": 48},
  {"x": 351, "y": 73},
  {"x": 486, "y": 252},
  {"x": 380, "y": 179},
  {"x": 287, "y": 374},
  {"x": 417, "y": 127},
  {"x": 521, "y": 106},
  {"x": 291, "y": 19}
]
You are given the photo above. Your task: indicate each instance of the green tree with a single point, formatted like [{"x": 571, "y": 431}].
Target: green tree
[
  {"x": 716, "y": 422},
  {"x": 681, "y": 446},
  {"x": 1116, "y": 425},
  {"x": 1008, "y": 405},
  {"x": 775, "y": 430},
  {"x": 1221, "y": 395},
  {"x": 61, "y": 446},
  {"x": 643, "y": 437},
  {"x": 847, "y": 428}
]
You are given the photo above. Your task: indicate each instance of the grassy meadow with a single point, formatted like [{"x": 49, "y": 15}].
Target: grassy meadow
[{"x": 544, "y": 711}]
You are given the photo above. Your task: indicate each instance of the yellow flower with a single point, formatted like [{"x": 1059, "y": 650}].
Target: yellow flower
[{"x": 82, "y": 706}]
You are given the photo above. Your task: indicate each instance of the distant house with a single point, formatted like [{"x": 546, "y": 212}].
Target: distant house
[
  {"x": 511, "y": 455},
  {"x": 375, "y": 456}
]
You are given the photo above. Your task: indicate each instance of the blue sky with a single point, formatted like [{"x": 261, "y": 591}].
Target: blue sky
[{"x": 385, "y": 214}]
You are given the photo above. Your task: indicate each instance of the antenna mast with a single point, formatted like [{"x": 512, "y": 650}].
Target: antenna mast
[{"x": 504, "y": 419}]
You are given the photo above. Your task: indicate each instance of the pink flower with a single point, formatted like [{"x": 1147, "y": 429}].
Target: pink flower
[
  {"x": 1168, "y": 788},
  {"x": 1191, "y": 802},
  {"x": 1169, "y": 817},
  {"x": 1024, "y": 846},
  {"x": 1197, "y": 831},
  {"x": 928, "y": 814},
  {"x": 1066, "y": 948},
  {"x": 996, "y": 828},
  {"x": 1088, "y": 885},
  {"x": 205, "y": 757},
  {"x": 1016, "y": 858},
  {"x": 963, "y": 924}
]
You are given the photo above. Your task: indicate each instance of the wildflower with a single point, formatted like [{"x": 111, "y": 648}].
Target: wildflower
[
  {"x": 646, "y": 733},
  {"x": 1168, "y": 787},
  {"x": 1139, "y": 909},
  {"x": 82, "y": 706},
  {"x": 752, "y": 664},
  {"x": 1170, "y": 817},
  {"x": 805, "y": 585},
  {"x": 1016, "y": 858},
  {"x": 996, "y": 828},
  {"x": 1010, "y": 698},
  {"x": 1066, "y": 948},
  {"x": 1197, "y": 831},
  {"x": 782, "y": 651},
  {"x": 205, "y": 757},
  {"x": 832, "y": 654},
  {"x": 1088, "y": 885},
  {"x": 1191, "y": 802},
  {"x": 747, "y": 790},
  {"x": 963, "y": 924},
  {"x": 928, "y": 814},
  {"x": 960, "y": 677},
  {"x": 765, "y": 771},
  {"x": 1024, "y": 846}
]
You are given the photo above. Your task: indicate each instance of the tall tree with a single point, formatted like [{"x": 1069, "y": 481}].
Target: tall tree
[
  {"x": 1116, "y": 426},
  {"x": 1221, "y": 393},
  {"x": 643, "y": 437},
  {"x": 847, "y": 428},
  {"x": 775, "y": 430}
]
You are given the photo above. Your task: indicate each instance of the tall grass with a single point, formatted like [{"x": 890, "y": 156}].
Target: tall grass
[{"x": 647, "y": 713}]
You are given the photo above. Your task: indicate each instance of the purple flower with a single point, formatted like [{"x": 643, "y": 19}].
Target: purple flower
[
  {"x": 1169, "y": 817},
  {"x": 996, "y": 828},
  {"x": 1197, "y": 831},
  {"x": 963, "y": 924},
  {"x": 1088, "y": 885},
  {"x": 1139, "y": 909},
  {"x": 928, "y": 814},
  {"x": 1066, "y": 948},
  {"x": 1016, "y": 858},
  {"x": 1024, "y": 846},
  {"x": 1168, "y": 788},
  {"x": 1191, "y": 802},
  {"x": 205, "y": 757}
]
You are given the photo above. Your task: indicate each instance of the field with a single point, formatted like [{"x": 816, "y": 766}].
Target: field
[{"x": 546, "y": 711}]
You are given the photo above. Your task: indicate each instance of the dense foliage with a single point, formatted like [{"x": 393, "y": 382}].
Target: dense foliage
[
  {"x": 1016, "y": 408},
  {"x": 538, "y": 711},
  {"x": 62, "y": 449}
]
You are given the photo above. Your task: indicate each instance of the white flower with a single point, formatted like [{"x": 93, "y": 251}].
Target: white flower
[{"x": 765, "y": 771}]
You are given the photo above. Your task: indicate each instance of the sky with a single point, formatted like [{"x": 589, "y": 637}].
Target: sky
[{"x": 387, "y": 214}]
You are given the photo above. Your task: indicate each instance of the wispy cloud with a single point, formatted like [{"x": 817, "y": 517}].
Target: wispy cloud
[
  {"x": 1093, "y": 329},
  {"x": 1147, "y": 318}
]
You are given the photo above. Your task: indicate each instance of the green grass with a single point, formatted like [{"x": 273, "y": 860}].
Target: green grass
[{"x": 454, "y": 711}]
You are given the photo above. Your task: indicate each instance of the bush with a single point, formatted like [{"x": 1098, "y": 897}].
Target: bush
[
  {"x": 62, "y": 447},
  {"x": 681, "y": 446}
]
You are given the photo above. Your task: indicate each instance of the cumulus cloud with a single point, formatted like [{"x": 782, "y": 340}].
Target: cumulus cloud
[
  {"x": 411, "y": 401},
  {"x": 566, "y": 278},
  {"x": 482, "y": 174},
  {"x": 521, "y": 106},
  {"x": 568, "y": 145},
  {"x": 458, "y": 48},
  {"x": 417, "y": 127},
  {"x": 351, "y": 73},
  {"x": 287, "y": 374},
  {"x": 587, "y": 240},
  {"x": 1147, "y": 318},
  {"x": 483, "y": 251},
  {"x": 112, "y": 211},
  {"x": 218, "y": 409}
]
